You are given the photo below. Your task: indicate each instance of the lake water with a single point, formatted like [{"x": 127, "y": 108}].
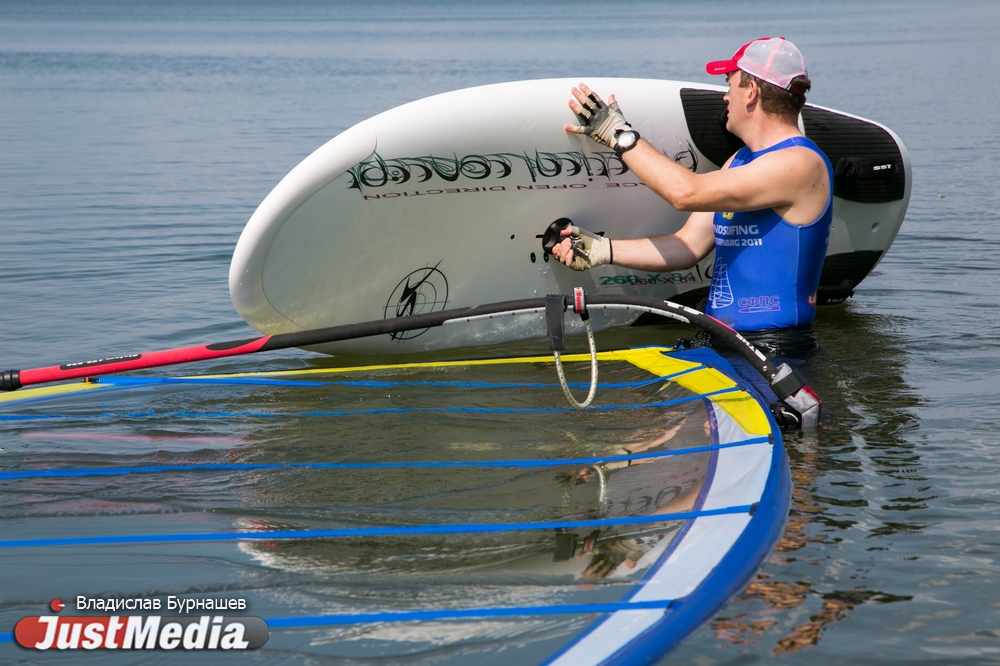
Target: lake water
[{"x": 137, "y": 137}]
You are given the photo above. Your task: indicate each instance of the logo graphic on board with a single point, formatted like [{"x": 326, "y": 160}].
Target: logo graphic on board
[
  {"x": 423, "y": 290},
  {"x": 381, "y": 171},
  {"x": 687, "y": 158}
]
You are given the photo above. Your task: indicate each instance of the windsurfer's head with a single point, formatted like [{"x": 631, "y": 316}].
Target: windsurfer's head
[{"x": 778, "y": 69}]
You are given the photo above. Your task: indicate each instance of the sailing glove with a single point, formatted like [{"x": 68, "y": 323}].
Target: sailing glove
[
  {"x": 600, "y": 121},
  {"x": 589, "y": 249}
]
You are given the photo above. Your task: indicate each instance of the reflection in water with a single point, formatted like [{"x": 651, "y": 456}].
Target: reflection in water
[
  {"x": 643, "y": 487},
  {"x": 868, "y": 410},
  {"x": 778, "y": 595},
  {"x": 608, "y": 490}
]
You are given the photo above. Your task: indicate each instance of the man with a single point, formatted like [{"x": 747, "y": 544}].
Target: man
[{"x": 767, "y": 212}]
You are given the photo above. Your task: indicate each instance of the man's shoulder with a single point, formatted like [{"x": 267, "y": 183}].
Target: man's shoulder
[
  {"x": 802, "y": 144},
  {"x": 798, "y": 150}
]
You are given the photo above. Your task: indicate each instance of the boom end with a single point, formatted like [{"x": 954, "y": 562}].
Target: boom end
[{"x": 10, "y": 380}]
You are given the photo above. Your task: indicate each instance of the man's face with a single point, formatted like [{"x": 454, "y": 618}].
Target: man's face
[{"x": 734, "y": 100}]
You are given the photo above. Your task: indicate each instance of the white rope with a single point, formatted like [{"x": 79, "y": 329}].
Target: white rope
[
  {"x": 593, "y": 372},
  {"x": 604, "y": 484}
]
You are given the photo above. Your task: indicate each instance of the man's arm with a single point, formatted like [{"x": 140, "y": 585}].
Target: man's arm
[
  {"x": 794, "y": 182},
  {"x": 670, "y": 252}
]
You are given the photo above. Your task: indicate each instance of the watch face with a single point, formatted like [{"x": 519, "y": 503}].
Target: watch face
[{"x": 626, "y": 140}]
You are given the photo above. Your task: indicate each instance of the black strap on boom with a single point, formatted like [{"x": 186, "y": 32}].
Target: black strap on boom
[{"x": 555, "y": 306}]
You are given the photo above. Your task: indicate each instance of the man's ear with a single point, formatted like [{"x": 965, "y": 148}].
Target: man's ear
[{"x": 753, "y": 93}]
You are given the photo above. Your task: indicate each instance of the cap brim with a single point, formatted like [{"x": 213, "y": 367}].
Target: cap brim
[{"x": 717, "y": 67}]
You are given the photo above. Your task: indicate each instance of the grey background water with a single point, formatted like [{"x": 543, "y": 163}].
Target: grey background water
[{"x": 136, "y": 138}]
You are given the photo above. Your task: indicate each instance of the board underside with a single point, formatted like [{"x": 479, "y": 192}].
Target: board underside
[
  {"x": 441, "y": 203},
  {"x": 441, "y": 511}
]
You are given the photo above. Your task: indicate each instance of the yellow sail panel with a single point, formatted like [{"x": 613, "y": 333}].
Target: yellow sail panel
[
  {"x": 46, "y": 392},
  {"x": 669, "y": 366},
  {"x": 743, "y": 408}
]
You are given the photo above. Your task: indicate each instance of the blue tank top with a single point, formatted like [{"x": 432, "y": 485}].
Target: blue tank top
[{"x": 766, "y": 270}]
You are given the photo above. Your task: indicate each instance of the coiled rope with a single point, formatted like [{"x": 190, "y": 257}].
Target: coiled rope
[{"x": 593, "y": 372}]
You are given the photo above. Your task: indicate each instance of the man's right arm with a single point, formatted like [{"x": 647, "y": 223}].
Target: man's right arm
[{"x": 671, "y": 252}]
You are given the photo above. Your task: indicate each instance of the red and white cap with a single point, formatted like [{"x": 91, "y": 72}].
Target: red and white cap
[{"x": 771, "y": 59}]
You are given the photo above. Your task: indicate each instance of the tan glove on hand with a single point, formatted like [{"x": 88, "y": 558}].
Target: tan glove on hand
[
  {"x": 589, "y": 249},
  {"x": 600, "y": 121}
]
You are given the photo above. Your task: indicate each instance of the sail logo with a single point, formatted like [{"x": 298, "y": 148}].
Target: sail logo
[
  {"x": 720, "y": 293},
  {"x": 138, "y": 632}
]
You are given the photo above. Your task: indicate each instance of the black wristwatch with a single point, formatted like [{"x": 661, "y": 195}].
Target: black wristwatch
[{"x": 626, "y": 140}]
